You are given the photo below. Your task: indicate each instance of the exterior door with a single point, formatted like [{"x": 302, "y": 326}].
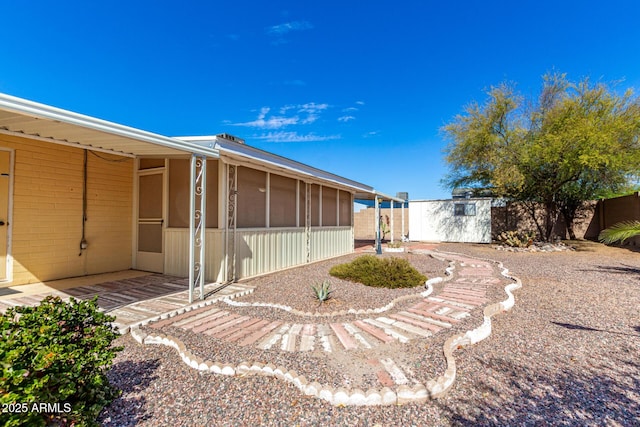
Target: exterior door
[
  {"x": 5, "y": 170},
  {"x": 150, "y": 253}
]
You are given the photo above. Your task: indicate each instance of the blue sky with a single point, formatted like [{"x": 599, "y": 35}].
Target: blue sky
[{"x": 360, "y": 89}]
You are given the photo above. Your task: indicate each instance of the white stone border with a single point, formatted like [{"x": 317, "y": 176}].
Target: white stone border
[{"x": 434, "y": 389}]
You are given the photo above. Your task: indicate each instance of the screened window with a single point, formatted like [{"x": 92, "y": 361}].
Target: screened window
[
  {"x": 252, "y": 198},
  {"x": 315, "y": 205},
  {"x": 303, "y": 200},
  {"x": 464, "y": 209},
  {"x": 329, "y": 207},
  {"x": 345, "y": 208},
  {"x": 282, "y": 198},
  {"x": 180, "y": 189}
]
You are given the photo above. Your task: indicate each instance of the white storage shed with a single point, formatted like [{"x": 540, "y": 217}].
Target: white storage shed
[{"x": 452, "y": 220}]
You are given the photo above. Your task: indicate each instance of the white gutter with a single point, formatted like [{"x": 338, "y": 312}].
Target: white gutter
[{"x": 46, "y": 112}]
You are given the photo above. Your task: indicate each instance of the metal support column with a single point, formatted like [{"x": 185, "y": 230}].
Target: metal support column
[
  {"x": 197, "y": 224},
  {"x": 403, "y": 235},
  {"x": 307, "y": 219},
  {"x": 392, "y": 203},
  {"x": 377, "y": 213},
  {"x": 232, "y": 193}
]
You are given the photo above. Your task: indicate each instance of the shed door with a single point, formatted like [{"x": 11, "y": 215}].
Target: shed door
[
  {"x": 150, "y": 254},
  {"x": 5, "y": 165}
]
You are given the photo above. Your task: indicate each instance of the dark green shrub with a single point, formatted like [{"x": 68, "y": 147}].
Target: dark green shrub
[
  {"x": 55, "y": 353},
  {"x": 370, "y": 270}
]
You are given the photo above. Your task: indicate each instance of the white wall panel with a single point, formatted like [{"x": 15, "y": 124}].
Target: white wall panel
[
  {"x": 176, "y": 256},
  {"x": 261, "y": 251},
  {"x": 327, "y": 242},
  {"x": 434, "y": 221}
]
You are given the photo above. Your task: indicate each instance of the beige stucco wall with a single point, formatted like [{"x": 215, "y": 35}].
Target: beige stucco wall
[
  {"x": 365, "y": 223},
  {"x": 47, "y": 212}
]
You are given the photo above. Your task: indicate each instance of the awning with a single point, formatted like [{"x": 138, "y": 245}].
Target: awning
[{"x": 30, "y": 119}]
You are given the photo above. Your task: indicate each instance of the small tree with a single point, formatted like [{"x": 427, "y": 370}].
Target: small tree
[{"x": 555, "y": 152}]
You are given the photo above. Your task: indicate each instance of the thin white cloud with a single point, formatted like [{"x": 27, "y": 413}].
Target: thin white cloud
[
  {"x": 371, "y": 134},
  {"x": 303, "y": 114},
  {"x": 295, "y": 137},
  {"x": 360, "y": 102},
  {"x": 349, "y": 109},
  {"x": 346, "y": 118},
  {"x": 287, "y": 27},
  {"x": 273, "y": 122},
  {"x": 309, "y": 119},
  {"x": 312, "y": 107}
]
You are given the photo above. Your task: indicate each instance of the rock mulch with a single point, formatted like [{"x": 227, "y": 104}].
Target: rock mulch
[{"x": 537, "y": 247}]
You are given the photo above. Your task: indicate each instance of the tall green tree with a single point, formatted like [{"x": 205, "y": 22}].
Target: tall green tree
[{"x": 553, "y": 152}]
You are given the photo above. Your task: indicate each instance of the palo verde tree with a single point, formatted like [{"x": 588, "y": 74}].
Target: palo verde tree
[{"x": 567, "y": 146}]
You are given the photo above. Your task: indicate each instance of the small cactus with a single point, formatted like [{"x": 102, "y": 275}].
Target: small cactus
[{"x": 323, "y": 291}]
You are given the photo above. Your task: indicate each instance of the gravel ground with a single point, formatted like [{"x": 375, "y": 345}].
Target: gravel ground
[{"x": 566, "y": 354}]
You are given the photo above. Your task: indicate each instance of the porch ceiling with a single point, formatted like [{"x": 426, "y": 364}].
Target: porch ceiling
[{"x": 29, "y": 119}]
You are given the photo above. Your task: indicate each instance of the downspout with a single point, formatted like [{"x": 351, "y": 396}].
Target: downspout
[{"x": 83, "y": 241}]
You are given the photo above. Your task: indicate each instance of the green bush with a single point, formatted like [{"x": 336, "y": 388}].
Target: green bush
[
  {"x": 370, "y": 270},
  {"x": 56, "y": 353}
]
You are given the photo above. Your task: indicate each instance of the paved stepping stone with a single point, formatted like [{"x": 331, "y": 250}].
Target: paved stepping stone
[
  {"x": 343, "y": 336},
  {"x": 374, "y": 331},
  {"x": 255, "y": 336},
  {"x": 248, "y": 330}
]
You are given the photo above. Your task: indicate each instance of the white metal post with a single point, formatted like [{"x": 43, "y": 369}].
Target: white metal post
[
  {"x": 392, "y": 203},
  {"x": 197, "y": 224},
  {"x": 402, "y": 210},
  {"x": 203, "y": 223},
  {"x": 192, "y": 225},
  {"x": 377, "y": 214}
]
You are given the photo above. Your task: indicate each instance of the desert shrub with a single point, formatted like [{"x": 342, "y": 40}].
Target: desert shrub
[
  {"x": 517, "y": 239},
  {"x": 56, "y": 353},
  {"x": 370, "y": 270}
]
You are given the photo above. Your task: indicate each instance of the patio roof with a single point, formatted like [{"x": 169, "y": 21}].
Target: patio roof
[{"x": 30, "y": 119}]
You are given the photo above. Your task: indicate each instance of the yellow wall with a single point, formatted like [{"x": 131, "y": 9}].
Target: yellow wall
[{"x": 47, "y": 212}]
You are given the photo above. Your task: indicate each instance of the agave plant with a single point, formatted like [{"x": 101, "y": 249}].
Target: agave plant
[
  {"x": 620, "y": 232},
  {"x": 323, "y": 291}
]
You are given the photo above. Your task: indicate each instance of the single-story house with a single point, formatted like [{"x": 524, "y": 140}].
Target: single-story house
[{"x": 80, "y": 196}]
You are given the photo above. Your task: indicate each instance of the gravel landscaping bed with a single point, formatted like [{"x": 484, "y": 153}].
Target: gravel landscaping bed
[
  {"x": 566, "y": 354},
  {"x": 289, "y": 286}
]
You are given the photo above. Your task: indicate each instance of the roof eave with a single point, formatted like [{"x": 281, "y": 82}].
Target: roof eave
[{"x": 46, "y": 112}]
